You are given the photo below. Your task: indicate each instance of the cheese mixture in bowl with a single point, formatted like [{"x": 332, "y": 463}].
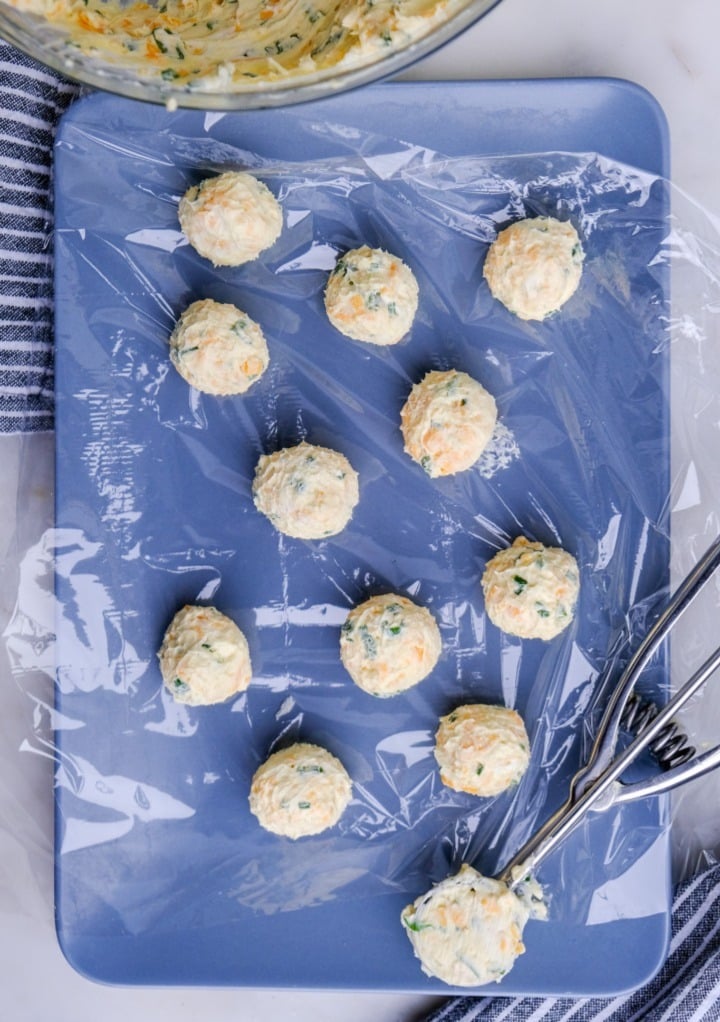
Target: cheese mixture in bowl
[
  {"x": 230, "y": 54},
  {"x": 467, "y": 930},
  {"x": 531, "y": 590},
  {"x": 388, "y": 644},
  {"x": 482, "y": 749},
  {"x": 299, "y": 791},
  {"x": 204, "y": 657}
]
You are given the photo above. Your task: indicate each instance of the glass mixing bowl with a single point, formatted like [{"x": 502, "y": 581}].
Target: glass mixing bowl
[{"x": 48, "y": 42}]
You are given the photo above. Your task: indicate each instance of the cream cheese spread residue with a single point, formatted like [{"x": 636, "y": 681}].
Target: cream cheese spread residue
[{"x": 235, "y": 45}]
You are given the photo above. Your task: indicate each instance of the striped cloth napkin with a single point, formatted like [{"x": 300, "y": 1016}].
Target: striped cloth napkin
[
  {"x": 32, "y": 98},
  {"x": 687, "y": 988}
]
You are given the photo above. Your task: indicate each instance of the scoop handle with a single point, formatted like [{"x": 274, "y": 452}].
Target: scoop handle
[
  {"x": 605, "y": 744},
  {"x": 597, "y": 786}
]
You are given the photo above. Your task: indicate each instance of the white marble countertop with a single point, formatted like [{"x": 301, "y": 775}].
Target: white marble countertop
[{"x": 668, "y": 47}]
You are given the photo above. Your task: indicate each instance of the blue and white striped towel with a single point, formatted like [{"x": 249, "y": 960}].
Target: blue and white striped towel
[
  {"x": 687, "y": 988},
  {"x": 32, "y": 99}
]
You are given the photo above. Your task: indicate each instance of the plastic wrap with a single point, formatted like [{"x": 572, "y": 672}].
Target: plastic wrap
[{"x": 154, "y": 509}]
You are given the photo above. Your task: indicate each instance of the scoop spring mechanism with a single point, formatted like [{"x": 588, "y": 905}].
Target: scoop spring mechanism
[{"x": 672, "y": 747}]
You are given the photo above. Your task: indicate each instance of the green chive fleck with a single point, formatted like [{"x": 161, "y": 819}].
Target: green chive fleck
[
  {"x": 158, "y": 42},
  {"x": 520, "y": 584},
  {"x": 368, "y": 642},
  {"x": 416, "y": 927}
]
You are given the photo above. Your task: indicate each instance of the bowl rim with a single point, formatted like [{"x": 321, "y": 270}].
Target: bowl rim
[{"x": 14, "y": 28}]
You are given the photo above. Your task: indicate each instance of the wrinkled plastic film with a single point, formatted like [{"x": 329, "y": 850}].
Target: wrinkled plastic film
[
  {"x": 693, "y": 252},
  {"x": 157, "y": 511}
]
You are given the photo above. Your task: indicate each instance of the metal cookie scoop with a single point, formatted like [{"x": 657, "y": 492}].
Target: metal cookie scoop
[
  {"x": 467, "y": 929},
  {"x": 597, "y": 786}
]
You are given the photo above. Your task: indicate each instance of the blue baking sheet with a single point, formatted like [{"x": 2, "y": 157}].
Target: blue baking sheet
[{"x": 162, "y": 874}]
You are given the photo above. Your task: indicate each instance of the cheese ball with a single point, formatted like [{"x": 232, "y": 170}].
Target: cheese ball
[
  {"x": 447, "y": 422},
  {"x": 300, "y": 791},
  {"x": 388, "y": 644},
  {"x": 230, "y": 219},
  {"x": 217, "y": 348},
  {"x": 371, "y": 296},
  {"x": 534, "y": 266},
  {"x": 531, "y": 590},
  {"x": 204, "y": 657},
  {"x": 481, "y": 749},
  {"x": 467, "y": 930},
  {"x": 308, "y": 492}
]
